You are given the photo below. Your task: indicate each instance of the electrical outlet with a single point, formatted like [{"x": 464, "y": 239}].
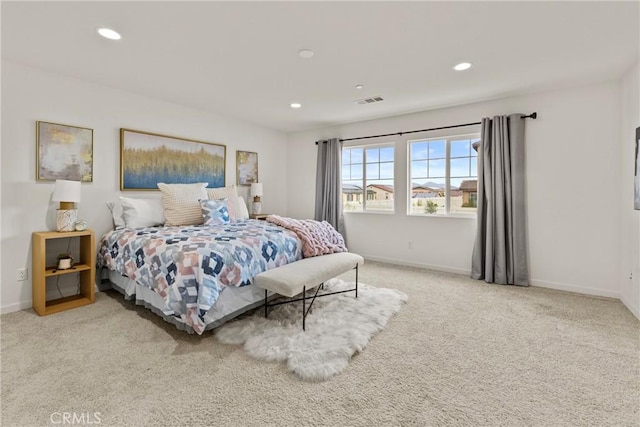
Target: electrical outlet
[
  {"x": 410, "y": 244},
  {"x": 22, "y": 274}
]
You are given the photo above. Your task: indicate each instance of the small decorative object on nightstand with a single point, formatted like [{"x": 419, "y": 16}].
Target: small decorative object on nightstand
[
  {"x": 65, "y": 261},
  {"x": 65, "y": 264},
  {"x": 81, "y": 225},
  {"x": 256, "y": 192},
  {"x": 259, "y": 216}
]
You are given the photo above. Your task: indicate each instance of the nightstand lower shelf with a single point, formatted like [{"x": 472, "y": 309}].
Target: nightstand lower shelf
[{"x": 66, "y": 303}]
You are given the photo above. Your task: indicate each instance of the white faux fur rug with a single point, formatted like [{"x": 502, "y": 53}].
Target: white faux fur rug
[{"x": 337, "y": 327}]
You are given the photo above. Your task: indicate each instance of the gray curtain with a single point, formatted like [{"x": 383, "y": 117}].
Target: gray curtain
[
  {"x": 328, "y": 179},
  {"x": 500, "y": 251}
]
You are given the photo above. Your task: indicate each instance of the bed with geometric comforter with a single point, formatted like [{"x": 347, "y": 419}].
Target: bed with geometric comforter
[{"x": 190, "y": 267}]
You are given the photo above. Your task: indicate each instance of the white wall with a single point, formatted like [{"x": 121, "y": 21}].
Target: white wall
[
  {"x": 629, "y": 277},
  {"x": 573, "y": 158},
  {"x": 30, "y": 94}
]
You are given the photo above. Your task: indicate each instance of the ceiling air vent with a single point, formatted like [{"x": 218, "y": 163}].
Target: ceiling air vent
[{"x": 370, "y": 100}]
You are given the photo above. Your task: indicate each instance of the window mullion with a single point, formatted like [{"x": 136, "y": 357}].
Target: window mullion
[{"x": 447, "y": 179}]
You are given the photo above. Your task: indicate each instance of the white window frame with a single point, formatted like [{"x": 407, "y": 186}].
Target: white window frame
[
  {"x": 389, "y": 144},
  {"x": 447, "y": 191}
]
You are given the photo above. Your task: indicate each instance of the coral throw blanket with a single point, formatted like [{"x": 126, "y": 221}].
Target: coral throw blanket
[{"x": 318, "y": 238}]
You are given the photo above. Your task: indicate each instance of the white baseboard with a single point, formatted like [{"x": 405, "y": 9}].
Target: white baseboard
[
  {"x": 418, "y": 265},
  {"x": 573, "y": 288},
  {"x": 52, "y": 293},
  {"x": 534, "y": 282},
  {"x": 15, "y": 307},
  {"x": 631, "y": 306}
]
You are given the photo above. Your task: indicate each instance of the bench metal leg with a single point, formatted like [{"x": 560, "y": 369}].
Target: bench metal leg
[
  {"x": 308, "y": 310},
  {"x": 304, "y": 313}
]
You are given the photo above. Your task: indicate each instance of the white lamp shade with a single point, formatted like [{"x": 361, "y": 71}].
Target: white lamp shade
[
  {"x": 256, "y": 189},
  {"x": 66, "y": 191}
]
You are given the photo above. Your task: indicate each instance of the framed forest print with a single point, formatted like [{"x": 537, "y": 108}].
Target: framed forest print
[{"x": 148, "y": 158}]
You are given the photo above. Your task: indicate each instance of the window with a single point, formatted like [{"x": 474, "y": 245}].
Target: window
[
  {"x": 367, "y": 178},
  {"x": 443, "y": 175}
]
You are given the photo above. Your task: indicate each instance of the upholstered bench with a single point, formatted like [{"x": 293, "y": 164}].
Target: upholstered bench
[{"x": 293, "y": 279}]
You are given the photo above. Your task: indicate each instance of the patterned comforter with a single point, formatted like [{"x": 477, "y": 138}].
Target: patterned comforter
[{"x": 190, "y": 266}]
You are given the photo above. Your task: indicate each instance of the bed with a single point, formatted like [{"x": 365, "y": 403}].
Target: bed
[{"x": 196, "y": 277}]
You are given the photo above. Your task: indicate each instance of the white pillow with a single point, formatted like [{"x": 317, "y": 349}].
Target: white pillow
[
  {"x": 181, "y": 203},
  {"x": 141, "y": 212},
  {"x": 116, "y": 213},
  {"x": 243, "y": 211}
]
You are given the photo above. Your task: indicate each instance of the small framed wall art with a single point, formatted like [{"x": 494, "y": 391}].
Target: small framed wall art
[
  {"x": 149, "y": 158},
  {"x": 246, "y": 167},
  {"x": 63, "y": 152}
]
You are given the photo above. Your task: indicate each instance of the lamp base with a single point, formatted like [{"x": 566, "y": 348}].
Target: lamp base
[
  {"x": 66, "y": 219},
  {"x": 256, "y": 208}
]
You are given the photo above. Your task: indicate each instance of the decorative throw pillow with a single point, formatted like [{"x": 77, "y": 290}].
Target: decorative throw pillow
[
  {"x": 141, "y": 212},
  {"x": 181, "y": 203},
  {"x": 231, "y": 194},
  {"x": 215, "y": 212}
]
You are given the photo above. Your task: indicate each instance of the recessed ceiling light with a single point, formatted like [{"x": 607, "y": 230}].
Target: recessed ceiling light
[
  {"x": 108, "y": 33},
  {"x": 462, "y": 66},
  {"x": 305, "y": 53},
  {"x": 295, "y": 105},
  {"x": 359, "y": 86}
]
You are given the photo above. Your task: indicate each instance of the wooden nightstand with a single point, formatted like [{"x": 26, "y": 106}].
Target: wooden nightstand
[
  {"x": 259, "y": 216},
  {"x": 85, "y": 267}
]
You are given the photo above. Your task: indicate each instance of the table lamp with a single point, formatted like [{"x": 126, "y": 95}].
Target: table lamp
[
  {"x": 256, "y": 192},
  {"x": 67, "y": 193}
]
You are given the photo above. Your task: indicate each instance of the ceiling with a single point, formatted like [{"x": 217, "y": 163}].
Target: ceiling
[{"x": 240, "y": 59}]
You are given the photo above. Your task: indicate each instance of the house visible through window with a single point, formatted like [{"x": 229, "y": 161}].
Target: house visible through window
[
  {"x": 367, "y": 178},
  {"x": 443, "y": 175}
]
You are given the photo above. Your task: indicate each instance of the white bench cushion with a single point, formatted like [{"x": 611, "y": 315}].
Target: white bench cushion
[{"x": 290, "y": 279}]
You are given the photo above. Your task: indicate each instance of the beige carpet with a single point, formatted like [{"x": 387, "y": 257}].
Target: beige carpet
[{"x": 460, "y": 353}]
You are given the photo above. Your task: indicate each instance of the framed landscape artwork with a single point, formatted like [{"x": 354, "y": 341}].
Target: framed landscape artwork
[
  {"x": 246, "y": 167},
  {"x": 636, "y": 198},
  {"x": 63, "y": 152},
  {"x": 149, "y": 158}
]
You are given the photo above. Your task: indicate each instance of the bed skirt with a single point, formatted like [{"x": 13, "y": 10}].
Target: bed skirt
[{"x": 233, "y": 301}]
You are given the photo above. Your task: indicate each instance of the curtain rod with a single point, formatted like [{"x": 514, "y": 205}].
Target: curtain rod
[{"x": 533, "y": 115}]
